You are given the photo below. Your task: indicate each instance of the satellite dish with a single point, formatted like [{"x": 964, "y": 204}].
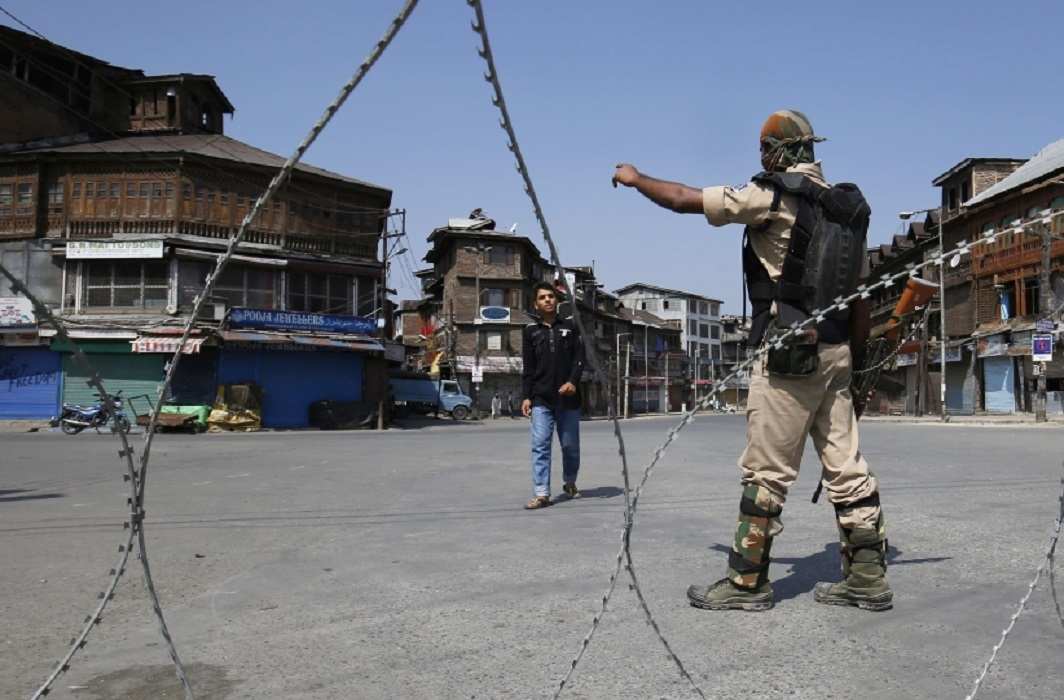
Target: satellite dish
[{"x": 955, "y": 260}]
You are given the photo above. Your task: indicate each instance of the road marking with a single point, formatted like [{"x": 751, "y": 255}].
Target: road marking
[
  {"x": 237, "y": 476},
  {"x": 201, "y": 483},
  {"x": 301, "y": 466}
]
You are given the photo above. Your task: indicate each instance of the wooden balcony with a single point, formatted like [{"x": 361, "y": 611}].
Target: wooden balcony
[
  {"x": 357, "y": 245},
  {"x": 1027, "y": 251}
]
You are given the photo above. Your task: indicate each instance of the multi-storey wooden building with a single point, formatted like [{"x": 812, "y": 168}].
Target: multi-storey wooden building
[
  {"x": 118, "y": 192},
  {"x": 995, "y": 297}
]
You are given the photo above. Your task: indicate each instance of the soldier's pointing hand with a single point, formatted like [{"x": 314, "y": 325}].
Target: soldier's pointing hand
[{"x": 625, "y": 175}]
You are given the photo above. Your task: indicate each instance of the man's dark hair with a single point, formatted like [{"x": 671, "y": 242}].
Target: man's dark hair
[{"x": 543, "y": 285}]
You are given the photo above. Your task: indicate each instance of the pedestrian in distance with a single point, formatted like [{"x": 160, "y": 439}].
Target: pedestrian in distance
[
  {"x": 510, "y": 405},
  {"x": 804, "y": 246},
  {"x": 553, "y": 362},
  {"x": 496, "y": 405}
]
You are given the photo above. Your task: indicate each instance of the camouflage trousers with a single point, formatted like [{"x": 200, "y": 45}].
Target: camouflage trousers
[{"x": 781, "y": 412}]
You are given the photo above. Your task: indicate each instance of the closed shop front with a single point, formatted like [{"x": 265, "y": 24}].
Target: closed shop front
[
  {"x": 291, "y": 380},
  {"x": 30, "y": 380},
  {"x": 195, "y": 380},
  {"x": 999, "y": 381},
  {"x": 120, "y": 370}
]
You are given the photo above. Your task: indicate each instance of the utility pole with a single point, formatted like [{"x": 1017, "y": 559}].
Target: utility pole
[
  {"x": 943, "y": 341},
  {"x": 627, "y": 373},
  {"x": 1046, "y": 305},
  {"x": 479, "y": 249},
  {"x": 646, "y": 372},
  {"x": 666, "y": 380},
  {"x": 621, "y": 410}
]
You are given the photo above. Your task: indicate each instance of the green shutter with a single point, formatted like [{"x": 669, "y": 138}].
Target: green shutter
[{"x": 133, "y": 374}]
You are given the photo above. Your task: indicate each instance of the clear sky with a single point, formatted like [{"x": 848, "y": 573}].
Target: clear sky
[{"x": 903, "y": 90}]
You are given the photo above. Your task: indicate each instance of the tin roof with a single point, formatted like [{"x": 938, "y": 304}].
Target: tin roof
[
  {"x": 216, "y": 146},
  {"x": 1046, "y": 162}
]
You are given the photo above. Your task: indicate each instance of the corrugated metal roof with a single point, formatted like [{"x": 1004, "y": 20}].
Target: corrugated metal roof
[
  {"x": 216, "y": 146},
  {"x": 1045, "y": 162}
]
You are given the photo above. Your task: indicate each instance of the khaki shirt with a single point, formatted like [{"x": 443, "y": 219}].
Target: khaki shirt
[{"x": 751, "y": 205}]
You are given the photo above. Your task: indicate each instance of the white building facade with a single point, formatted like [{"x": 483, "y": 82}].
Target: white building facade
[{"x": 697, "y": 316}]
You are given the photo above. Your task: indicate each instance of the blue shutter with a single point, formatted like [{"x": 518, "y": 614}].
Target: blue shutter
[
  {"x": 29, "y": 383},
  {"x": 998, "y": 380},
  {"x": 291, "y": 381}
]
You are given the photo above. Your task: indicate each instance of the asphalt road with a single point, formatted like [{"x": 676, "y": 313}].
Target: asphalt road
[{"x": 401, "y": 565}]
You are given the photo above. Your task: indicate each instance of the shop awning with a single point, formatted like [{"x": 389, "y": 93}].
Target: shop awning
[
  {"x": 357, "y": 343},
  {"x": 152, "y": 344}
]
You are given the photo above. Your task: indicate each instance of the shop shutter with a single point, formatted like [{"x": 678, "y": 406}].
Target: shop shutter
[
  {"x": 29, "y": 383},
  {"x": 132, "y": 374},
  {"x": 998, "y": 378},
  {"x": 194, "y": 381},
  {"x": 291, "y": 381}
]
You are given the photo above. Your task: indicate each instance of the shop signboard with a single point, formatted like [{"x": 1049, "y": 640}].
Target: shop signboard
[
  {"x": 16, "y": 315},
  {"x": 111, "y": 249},
  {"x": 992, "y": 346},
  {"x": 906, "y": 359},
  {"x": 275, "y": 320},
  {"x": 952, "y": 355},
  {"x": 1042, "y": 347}
]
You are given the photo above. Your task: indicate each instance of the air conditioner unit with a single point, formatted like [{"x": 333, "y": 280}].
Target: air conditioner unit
[{"x": 494, "y": 314}]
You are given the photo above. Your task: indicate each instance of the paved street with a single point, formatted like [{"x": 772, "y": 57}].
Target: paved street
[{"x": 400, "y": 565}]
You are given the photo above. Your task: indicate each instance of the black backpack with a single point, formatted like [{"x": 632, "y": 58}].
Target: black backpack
[{"x": 824, "y": 259}]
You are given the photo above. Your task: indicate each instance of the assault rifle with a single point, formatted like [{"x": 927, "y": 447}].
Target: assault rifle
[{"x": 884, "y": 342}]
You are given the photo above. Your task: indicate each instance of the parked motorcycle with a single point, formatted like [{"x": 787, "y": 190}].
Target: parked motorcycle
[{"x": 74, "y": 419}]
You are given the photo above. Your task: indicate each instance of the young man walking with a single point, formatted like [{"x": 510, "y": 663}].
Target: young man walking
[
  {"x": 803, "y": 387},
  {"x": 553, "y": 362}
]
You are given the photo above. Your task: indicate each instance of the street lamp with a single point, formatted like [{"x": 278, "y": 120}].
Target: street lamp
[{"x": 905, "y": 216}]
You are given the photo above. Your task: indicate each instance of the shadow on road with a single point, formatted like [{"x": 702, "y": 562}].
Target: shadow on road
[
  {"x": 11, "y": 495},
  {"x": 602, "y": 492},
  {"x": 825, "y": 565}
]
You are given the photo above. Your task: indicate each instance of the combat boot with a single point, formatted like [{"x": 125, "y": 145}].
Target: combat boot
[
  {"x": 864, "y": 569},
  {"x": 725, "y": 595},
  {"x": 746, "y": 586}
]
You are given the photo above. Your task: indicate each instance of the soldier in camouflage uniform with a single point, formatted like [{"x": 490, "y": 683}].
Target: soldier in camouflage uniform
[{"x": 782, "y": 408}]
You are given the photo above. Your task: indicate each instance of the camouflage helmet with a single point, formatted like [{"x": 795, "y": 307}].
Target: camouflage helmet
[{"x": 787, "y": 139}]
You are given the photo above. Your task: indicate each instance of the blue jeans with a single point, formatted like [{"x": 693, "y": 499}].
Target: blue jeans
[{"x": 544, "y": 421}]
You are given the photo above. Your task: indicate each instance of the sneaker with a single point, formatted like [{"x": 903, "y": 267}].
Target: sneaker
[
  {"x": 538, "y": 502},
  {"x": 570, "y": 490},
  {"x": 724, "y": 595}
]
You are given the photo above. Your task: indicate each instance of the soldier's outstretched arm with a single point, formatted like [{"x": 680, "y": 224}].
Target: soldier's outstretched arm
[{"x": 674, "y": 196}]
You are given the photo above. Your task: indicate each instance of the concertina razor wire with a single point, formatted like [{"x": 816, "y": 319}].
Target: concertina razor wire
[{"x": 138, "y": 481}]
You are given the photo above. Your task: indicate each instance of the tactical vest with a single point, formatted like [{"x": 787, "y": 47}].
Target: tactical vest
[{"x": 823, "y": 261}]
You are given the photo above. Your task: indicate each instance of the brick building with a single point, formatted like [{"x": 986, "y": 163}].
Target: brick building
[{"x": 456, "y": 332}]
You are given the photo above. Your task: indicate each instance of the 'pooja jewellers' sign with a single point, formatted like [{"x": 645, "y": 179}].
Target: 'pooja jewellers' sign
[{"x": 274, "y": 320}]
